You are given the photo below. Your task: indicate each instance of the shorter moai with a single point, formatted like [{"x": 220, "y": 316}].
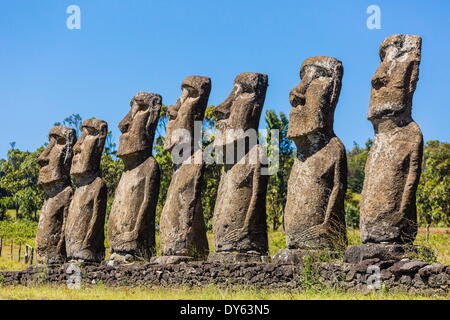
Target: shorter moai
[
  {"x": 84, "y": 231},
  {"x": 182, "y": 226},
  {"x": 54, "y": 177},
  {"x": 239, "y": 222},
  {"x": 131, "y": 224},
  {"x": 314, "y": 217},
  {"x": 388, "y": 217}
]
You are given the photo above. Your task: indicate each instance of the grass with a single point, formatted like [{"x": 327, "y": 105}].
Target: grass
[
  {"x": 101, "y": 292},
  {"x": 438, "y": 242}
]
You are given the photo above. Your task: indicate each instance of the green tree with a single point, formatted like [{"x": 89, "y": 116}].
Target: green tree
[
  {"x": 277, "y": 185},
  {"x": 433, "y": 194},
  {"x": 19, "y": 178},
  {"x": 213, "y": 171}
]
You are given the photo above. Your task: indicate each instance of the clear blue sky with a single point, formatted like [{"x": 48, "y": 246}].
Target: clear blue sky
[{"x": 49, "y": 72}]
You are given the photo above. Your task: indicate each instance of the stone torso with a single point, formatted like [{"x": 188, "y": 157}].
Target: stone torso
[
  {"x": 131, "y": 221},
  {"x": 388, "y": 210},
  {"x": 50, "y": 234},
  {"x": 310, "y": 188},
  {"x": 240, "y": 212},
  {"x": 85, "y": 222},
  {"x": 182, "y": 226}
]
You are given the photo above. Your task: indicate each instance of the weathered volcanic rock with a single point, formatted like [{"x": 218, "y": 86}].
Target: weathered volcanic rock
[
  {"x": 240, "y": 211},
  {"x": 131, "y": 225},
  {"x": 182, "y": 225},
  {"x": 54, "y": 177},
  {"x": 393, "y": 167},
  {"x": 314, "y": 215},
  {"x": 84, "y": 230}
]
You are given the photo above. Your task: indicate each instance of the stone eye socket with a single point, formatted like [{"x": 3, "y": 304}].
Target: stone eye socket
[
  {"x": 91, "y": 131},
  {"x": 59, "y": 139},
  {"x": 193, "y": 92}
]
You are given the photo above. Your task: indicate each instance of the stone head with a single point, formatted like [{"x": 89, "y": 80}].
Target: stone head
[
  {"x": 242, "y": 109},
  {"x": 190, "y": 107},
  {"x": 56, "y": 159},
  {"x": 89, "y": 148},
  {"x": 315, "y": 98},
  {"x": 139, "y": 125},
  {"x": 395, "y": 80}
]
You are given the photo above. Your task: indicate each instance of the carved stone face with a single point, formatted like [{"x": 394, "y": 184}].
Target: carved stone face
[
  {"x": 394, "y": 82},
  {"x": 314, "y": 99},
  {"x": 139, "y": 125},
  {"x": 190, "y": 107},
  {"x": 88, "y": 149},
  {"x": 56, "y": 159},
  {"x": 242, "y": 109}
]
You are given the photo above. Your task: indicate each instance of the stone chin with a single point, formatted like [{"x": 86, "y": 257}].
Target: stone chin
[{"x": 380, "y": 111}]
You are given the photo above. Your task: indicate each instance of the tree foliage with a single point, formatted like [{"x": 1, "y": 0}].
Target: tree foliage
[
  {"x": 277, "y": 185},
  {"x": 433, "y": 195}
]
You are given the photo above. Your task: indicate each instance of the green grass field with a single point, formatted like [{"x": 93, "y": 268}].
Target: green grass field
[{"x": 101, "y": 292}]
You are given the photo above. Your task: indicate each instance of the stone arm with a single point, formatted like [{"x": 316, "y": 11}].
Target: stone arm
[
  {"x": 334, "y": 219},
  {"x": 140, "y": 219},
  {"x": 412, "y": 180},
  {"x": 335, "y": 204},
  {"x": 98, "y": 215}
]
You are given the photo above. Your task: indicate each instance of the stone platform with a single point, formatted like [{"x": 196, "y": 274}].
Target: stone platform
[
  {"x": 413, "y": 276},
  {"x": 385, "y": 251}
]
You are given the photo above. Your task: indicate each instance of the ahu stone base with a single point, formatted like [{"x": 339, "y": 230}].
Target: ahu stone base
[
  {"x": 236, "y": 257},
  {"x": 297, "y": 256},
  {"x": 384, "y": 251},
  {"x": 413, "y": 276},
  {"x": 170, "y": 259}
]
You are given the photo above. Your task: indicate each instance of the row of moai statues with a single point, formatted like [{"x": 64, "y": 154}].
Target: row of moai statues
[{"x": 71, "y": 225}]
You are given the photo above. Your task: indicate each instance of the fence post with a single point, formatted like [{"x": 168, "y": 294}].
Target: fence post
[
  {"x": 26, "y": 254},
  {"x": 1, "y": 246},
  {"x": 31, "y": 255},
  {"x": 11, "y": 249},
  {"x": 20, "y": 251}
]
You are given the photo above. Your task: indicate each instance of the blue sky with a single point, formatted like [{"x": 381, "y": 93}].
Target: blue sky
[{"x": 49, "y": 72}]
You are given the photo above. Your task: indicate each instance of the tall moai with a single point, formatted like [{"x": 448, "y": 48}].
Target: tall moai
[
  {"x": 84, "y": 232},
  {"x": 182, "y": 225},
  {"x": 54, "y": 177},
  {"x": 131, "y": 225},
  {"x": 314, "y": 217},
  {"x": 239, "y": 221},
  {"x": 388, "y": 217}
]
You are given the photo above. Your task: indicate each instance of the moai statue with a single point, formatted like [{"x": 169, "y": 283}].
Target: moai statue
[
  {"x": 388, "y": 217},
  {"x": 314, "y": 217},
  {"x": 131, "y": 225},
  {"x": 239, "y": 224},
  {"x": 182, "y": 225},
  {"x": 84, "y": 230},
  {"x": 54, "y": 177}
]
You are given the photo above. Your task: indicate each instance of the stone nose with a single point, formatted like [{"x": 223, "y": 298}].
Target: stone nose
[
  {"x": 43, "y": 160},
  {"x": 379, "y": 79}
]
